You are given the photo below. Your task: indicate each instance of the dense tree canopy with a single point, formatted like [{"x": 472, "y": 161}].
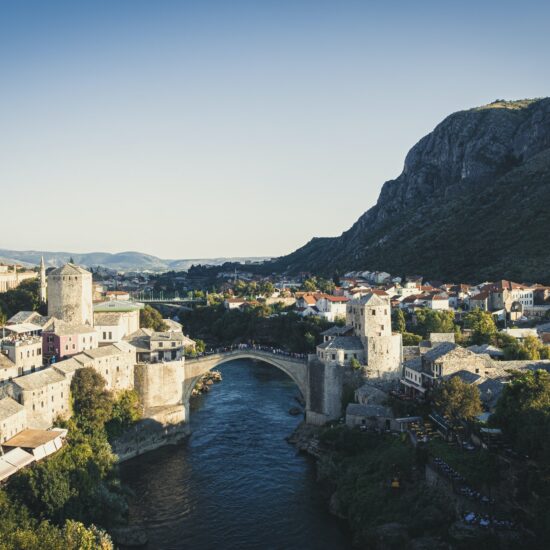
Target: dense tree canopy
[
  {"x": 457, "y": 400},
  {"x": 398, "y": 321},
  {"x": 482, "y": 325},
  {"x": 523, "y": 412},
  {"x": 151, "y": 318},
  {"x": 531, "y": 348},
  {"x": 429, "y": 320},
  {"x": 92, "y": 403},
  {"x": 26, "y": 297},
  {"x": 126, "y": 410},
  {"x": 268, "y": 325}
]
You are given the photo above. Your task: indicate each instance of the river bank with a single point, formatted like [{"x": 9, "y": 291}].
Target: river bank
[{"x": 390, "y": 496}]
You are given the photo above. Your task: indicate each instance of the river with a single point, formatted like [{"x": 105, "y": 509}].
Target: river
[{"x": 235, "y": 483}]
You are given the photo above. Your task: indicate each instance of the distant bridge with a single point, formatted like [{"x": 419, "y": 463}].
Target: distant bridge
[{"x": 165, "y": 298}]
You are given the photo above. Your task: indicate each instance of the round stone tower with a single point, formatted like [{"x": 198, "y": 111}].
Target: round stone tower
[{"x": 70, "y": 295}]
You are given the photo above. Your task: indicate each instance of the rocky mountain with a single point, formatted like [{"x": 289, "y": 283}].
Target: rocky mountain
[
  {"x": 121, "y": 261},
  {"x": 472, "y": 203}
]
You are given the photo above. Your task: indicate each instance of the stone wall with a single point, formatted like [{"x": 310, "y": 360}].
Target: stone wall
[
  {"x": 163, "y": 426},
  {"x": 159, "y": 384}
]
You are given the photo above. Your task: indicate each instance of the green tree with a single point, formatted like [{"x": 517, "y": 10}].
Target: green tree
[
  {"x": 309, "y": 285},
  {"x": 411, "y": 339},
  {"x": 482, "y": 325},
  {"x": 457, "y": 400},
  {"x": 26, "y": 297},
  {"x": 310, "y": 339},
  {"x": 398, "y": 321},
  {"x": 200, "y": 346},
  {"x": 523, "y": 412},
  {"x": 326, "y": 286},
  {"x": 429, "y": 320},
  {"x": 126, "y": 410},
  {"x": 92, "y": 403},
  {"x": 151, "y": 318},
  {"x": 354, "y": 363},
  {"x": 267, "y": 288}
]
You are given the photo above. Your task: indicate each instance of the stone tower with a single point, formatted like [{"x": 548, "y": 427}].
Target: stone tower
[
  {"x": 43, "y": 293},
  {"x": 70, "y": 295},
  {"x": 370, "y": 317}
]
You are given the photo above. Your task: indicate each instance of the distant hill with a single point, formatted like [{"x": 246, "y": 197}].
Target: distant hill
[
  {"x": 472, "y": 203},
  {"x": 121, "y": 261}
]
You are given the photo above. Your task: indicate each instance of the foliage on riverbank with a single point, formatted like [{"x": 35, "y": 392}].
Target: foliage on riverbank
[
  {"x": 359, "y": 469},
  {"x": 48, "y": 504},
  {"x": 265, "y": 325}
]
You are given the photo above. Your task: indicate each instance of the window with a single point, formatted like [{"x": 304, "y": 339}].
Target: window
[
  {"x": 104, "y": 336},
  {"x": 161, "y": 344},
  {"x": 110, "y": 335},
  {"x": 333, "y": 356},
  {"x": 373, "y": 312}
]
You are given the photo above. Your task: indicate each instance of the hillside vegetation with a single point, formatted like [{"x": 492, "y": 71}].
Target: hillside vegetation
[{"x": 472, "y": 203}]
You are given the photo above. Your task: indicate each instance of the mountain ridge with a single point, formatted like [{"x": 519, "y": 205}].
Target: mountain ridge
[
  {"x": 122, "y": 261},
  {"x": 494, "y": 159}
]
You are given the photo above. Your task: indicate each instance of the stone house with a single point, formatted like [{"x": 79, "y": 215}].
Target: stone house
[
  {"x": 25, "y": 353},
  {"x": 114, "y": 362},
  {"x": 115, "y": 319},
  {"x": 44, "y": 394},
  {"x": 61, "y": 339},
  {"x": 438, "y": 302},
  {"x": 332, "y": 307},
  {"x": 341, "y": 350},
  {"x": 13, "y": 418},
  {"x": 155, "y": 347}
]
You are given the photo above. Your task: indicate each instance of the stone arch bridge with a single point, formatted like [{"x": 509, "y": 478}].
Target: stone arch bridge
[{"x": 320, "y": 385}]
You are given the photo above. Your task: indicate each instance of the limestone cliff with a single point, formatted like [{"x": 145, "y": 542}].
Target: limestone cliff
[{"x": 472, "y": 202}]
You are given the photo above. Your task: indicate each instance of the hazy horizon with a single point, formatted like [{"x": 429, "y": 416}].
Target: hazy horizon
[{"x": 215, "y": 129}]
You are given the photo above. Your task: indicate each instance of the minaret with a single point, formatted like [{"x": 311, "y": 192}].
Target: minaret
[{"x": 42, "y": 281}]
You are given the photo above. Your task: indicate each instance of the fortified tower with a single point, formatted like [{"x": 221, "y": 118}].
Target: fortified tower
[
  {"x": 370, "y": 317},
  {"x": 70, "y": 295}
]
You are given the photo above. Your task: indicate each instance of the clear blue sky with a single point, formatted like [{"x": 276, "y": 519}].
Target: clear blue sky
[{"x": 203, "y": 128}]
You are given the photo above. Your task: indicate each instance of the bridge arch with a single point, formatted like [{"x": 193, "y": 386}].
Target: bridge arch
[{"x": 296, "y": 369}]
